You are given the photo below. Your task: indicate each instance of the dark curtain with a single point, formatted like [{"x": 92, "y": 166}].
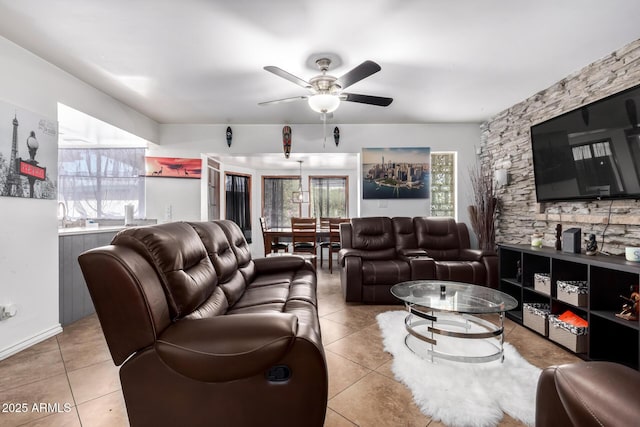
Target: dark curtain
[
  {"x": 238, "y": 205},
  {"x": 278, "y": 206}
]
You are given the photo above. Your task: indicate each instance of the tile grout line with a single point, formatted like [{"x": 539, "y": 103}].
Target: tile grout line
[{"x": 66, "y": 373}]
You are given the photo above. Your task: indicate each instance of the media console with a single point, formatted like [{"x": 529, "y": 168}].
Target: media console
[{"x": 608, "y": 277}]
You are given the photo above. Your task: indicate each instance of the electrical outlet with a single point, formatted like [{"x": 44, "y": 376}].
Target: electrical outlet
[{"x": 7, "y": 311}]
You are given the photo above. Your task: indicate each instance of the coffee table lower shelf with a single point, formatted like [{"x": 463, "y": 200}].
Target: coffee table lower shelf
[{"x": 434, "y": 330}]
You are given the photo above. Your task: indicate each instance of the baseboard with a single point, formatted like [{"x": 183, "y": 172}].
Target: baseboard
[{"x": 24, "y": 344}]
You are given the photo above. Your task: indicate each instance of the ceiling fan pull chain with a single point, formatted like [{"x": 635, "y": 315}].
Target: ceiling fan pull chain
[{"x": 324, "y": 129}]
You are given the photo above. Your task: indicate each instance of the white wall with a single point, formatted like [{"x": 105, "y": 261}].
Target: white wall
[
  {"x": 28, "y": 228},
  {"x": 247, "y": 139}
]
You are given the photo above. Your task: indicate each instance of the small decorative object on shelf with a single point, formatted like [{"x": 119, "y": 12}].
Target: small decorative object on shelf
[
  {"x": 286, "y": 141},
  {"x": 592, "y": 245},
  {"x": 558, "y": 237},
  {"x": 518, "y": 271},
  {"x": 536, "y": 240},
  {"x": 631, "y": 307}
]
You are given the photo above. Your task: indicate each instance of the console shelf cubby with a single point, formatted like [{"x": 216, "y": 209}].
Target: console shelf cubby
[{"x": 608, "y": 277}]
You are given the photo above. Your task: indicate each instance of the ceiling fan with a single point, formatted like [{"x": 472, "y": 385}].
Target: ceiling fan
[{"x": 326, "y": 90}]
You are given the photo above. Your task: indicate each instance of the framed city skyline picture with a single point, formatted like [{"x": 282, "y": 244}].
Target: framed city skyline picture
[
  {"x": 172, "y": 167},
  {"x": 396, "y": 173}
]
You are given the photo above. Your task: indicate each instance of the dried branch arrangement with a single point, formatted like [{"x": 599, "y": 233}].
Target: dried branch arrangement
[{"x": 483, "y": 211}]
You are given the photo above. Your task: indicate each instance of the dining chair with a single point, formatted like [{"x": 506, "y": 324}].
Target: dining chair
[
  {"x": 334, "y": 238},
  {"x": 324, "y": 244},
  {"x": 304, "y": 235},
  {"x": 275, "y": 245}
]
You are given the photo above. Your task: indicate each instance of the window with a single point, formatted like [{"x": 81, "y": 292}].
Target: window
[
  {"x": 100, "y": 168},
  {"x": 328, "y": 196},
  {"x": 277, "y": 205},
  {"x": 99, "y": 182},
  {"x": 238, "y": 201},
  {"x": 443, "y": 184}
]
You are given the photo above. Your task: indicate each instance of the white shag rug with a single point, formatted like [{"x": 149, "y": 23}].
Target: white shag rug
[{"x": 462, "y": 394}]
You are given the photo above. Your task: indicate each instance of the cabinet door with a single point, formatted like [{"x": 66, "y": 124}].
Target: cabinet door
[{"x": 74, "y": 299}]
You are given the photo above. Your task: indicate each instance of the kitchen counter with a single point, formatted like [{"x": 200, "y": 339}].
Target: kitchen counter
[{"x": 88, "y": 230}]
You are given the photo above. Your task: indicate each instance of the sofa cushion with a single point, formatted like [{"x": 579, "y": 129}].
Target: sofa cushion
[
  {"x": 387, "y": 272},
  {"x": 224, "y": 259},
  {"x": 240, "y": 248},
  {"x": 438, "y": 236},
  {"x": 180, "y": 259},
  {"x": 215, "y": 305},
  {"x": 461, "y": 271},
  {"x": 372, "y": 234},
  {"x": 404, "y": 234}
]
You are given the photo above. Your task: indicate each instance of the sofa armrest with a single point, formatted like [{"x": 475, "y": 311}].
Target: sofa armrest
[
  {"x": 422, "y": 267},
  {"x": 227, "y": 347},
  {"x": 412, "y": 253},
  {"x": 588, "y": 394},
  {"x": 475, "y": 254},
  {"x": 351, "y": 278},
  {"x": 279, "y": 263},
  {"x": 382, "y": 254}
]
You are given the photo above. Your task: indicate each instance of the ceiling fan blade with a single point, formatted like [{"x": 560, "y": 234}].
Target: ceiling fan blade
[
  {"x": 367, "y": 99},
  {"x": 283, "y": 100},
  {"x": 288, "y": 76},
  {"x": 362, "y": 71}
]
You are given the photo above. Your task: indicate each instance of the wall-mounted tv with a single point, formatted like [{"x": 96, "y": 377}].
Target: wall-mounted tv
[{"x": 592, "y": 152}]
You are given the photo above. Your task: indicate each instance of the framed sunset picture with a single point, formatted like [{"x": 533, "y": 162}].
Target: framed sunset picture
[{"x": 172, "y": 167}]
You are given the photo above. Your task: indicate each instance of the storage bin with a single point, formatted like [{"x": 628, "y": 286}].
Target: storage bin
[
  {"x": 534, "y": 316},
  {"x": 542, "y": 283},
  {"x": 573, "y": 292},
  {"x": 569, "y": 336}
]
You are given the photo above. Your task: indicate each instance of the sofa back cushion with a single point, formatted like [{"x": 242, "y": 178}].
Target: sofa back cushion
[
  {"x": 223, "y": 257},
  {"x": 180, "y": 260},
  {"x": 404, "y": 233},
  {"x": 438, "y": 236},
  {"x": 373, "y": 234},
  {"x": 240, "y": 248}
]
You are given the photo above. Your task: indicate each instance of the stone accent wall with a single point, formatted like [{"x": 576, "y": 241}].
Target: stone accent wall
[{"x": 506, "y": 144}]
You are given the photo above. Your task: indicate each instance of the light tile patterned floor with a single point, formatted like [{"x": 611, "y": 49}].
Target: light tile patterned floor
[{"x": 75, "y": 369}]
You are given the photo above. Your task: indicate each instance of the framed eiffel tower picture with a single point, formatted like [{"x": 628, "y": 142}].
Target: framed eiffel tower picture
[{"x": 28, "y": 154}]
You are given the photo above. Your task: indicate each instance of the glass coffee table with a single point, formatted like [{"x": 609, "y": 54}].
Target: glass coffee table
[{"x": 443, "y": 322}]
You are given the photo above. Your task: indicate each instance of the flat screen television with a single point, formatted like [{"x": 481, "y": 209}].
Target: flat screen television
[{"x": 592, "y": 152}]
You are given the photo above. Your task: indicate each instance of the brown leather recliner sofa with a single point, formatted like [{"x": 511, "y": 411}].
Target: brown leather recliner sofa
[
  {"x": 378, "y": 252},
  {"x": 588, "y": 394},
  {"x": 205, "y": 334}
]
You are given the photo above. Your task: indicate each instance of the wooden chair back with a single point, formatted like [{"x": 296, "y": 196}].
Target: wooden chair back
[
  {"x": 270, "y": 245},
  {"x": 303, "y": 232}
]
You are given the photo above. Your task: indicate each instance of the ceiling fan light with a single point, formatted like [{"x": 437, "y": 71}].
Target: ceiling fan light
[{"x": 324, "y": 103}]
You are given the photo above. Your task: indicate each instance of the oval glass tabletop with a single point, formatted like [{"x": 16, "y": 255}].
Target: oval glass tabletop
[{"x": 453, "y": 296}]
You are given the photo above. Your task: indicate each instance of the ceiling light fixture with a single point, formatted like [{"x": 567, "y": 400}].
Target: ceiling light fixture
[
  {"x": 324, "y": 102},
  {"x": 300, "y": 196}
]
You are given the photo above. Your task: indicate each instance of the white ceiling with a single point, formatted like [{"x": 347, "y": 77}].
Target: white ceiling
[{"x": 200, "y": 61}]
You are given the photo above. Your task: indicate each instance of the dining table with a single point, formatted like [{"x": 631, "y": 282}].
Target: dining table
[{"x": 276, "y": 233}]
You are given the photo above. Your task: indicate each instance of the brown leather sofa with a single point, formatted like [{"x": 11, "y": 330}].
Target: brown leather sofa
[
  {"x": 205, "y": 334},
  {"x": 586, "y": 394},
  {"x": 378, "y": 252}
]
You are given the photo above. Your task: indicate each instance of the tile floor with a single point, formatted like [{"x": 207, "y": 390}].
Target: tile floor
[{"x": 75, "y": 369}]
